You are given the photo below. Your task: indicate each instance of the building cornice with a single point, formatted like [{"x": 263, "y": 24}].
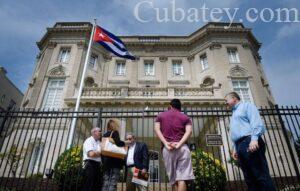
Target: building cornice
[
  {"x": 66, "y": 27},
  {"x": 150, "y": 42}
]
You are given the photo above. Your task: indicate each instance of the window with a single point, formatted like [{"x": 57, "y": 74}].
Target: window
[
  {"x": 154, "y": 166},
  {"x": 204, "y": 61},
  {"x": 177, "y": 68},
  {"x": 93, "y": 61},
  {"x": 242, "y": 88},
  {"x": 64, "y": 55},
  {"x": 53, "y": 95},
  {"x": 36, "y": 157},
  {"x": 120, "y": 68},
  {"x": 12, "y": 104},
  {"x": 2, "y": 98},
  {"x": 233, "y": 55},
  {"x": 149, "y": 68},
  {"x": 154, "y": 172}
]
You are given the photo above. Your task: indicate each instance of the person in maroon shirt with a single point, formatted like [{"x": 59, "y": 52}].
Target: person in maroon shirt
[{"x": 174, "y": 128}]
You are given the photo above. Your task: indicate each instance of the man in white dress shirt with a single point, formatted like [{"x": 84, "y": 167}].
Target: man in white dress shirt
[
  {"x": 92, "y": 161},
  {"x": 137, "y": 157}
]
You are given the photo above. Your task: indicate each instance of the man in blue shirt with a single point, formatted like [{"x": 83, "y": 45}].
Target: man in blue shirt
[{"x": 246, "y": 128}]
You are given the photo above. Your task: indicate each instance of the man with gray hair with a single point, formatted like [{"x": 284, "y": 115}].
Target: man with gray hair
[
  {"x": 246, "y": 130},
  {"x": 92, "y": 161},
  {"x": 137, "y": 157}
]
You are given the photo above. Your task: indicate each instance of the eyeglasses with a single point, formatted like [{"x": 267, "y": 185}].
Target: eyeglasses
[{"x": 129, "y": 139}]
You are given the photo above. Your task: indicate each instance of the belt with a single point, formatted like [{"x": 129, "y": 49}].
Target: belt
[{"x": 241, "y": 139}]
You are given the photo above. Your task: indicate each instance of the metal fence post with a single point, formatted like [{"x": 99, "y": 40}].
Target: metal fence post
[
  {"x": 99, "y": 119},
  {"x": 285, "y": 133}
]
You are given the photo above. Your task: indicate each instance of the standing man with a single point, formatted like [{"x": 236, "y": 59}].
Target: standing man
[
  {"x": 246, "y": 128},
  {"x": 137, "y": 157},
  {"x": 92, "y": 161},
  {"x": 173, "y": 128}
]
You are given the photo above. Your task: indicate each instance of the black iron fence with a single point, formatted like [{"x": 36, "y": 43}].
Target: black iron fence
[{"x": 34, "y": 155}]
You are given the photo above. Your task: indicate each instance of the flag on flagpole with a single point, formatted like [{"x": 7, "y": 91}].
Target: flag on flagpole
[{"x": 111, "y": 43}]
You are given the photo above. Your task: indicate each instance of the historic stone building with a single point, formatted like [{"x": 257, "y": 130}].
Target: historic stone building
[{"x": 199, "y": 69}]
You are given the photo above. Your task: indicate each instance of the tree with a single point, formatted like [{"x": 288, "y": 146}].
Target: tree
[{"x": 13, "y": 157}]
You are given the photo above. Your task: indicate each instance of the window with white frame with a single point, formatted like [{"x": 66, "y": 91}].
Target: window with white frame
[
  {"x": 149, "y": 68},
  {"x": 53, "y": 94},
  {"x": 35, "y": 158},
  {"x": 177, "y": 67},
  {"x": 93, "y": 61},
  {"x": 154, "y": 165},
  {"x": 233, "y": 55},
  {"x": 120, "y": 68},
  {"x": 241, "y": 86},
  {"x": 64, "y": 55},
  {"x": 204, "y": 61},
  {"x": 154, "y": 172}
]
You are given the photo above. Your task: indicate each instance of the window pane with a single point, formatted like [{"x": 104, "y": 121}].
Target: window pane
[
  {"x": 61, "y": 83},
  {"x": 243, "y": 83},
  {"x": 235, "y": 84},
  {"x": 53, "y": 83}
]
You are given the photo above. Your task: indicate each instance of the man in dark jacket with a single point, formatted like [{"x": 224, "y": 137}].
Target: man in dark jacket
[{"x": 137, "y": 157}]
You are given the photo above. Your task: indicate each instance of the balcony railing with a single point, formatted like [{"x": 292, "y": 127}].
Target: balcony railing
[
  {"x": 193, "y": 92},
  {"x": 125, "y": 92}
]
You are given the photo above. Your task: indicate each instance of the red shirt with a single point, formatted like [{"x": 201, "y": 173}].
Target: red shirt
[{"x": 172, "y": 124}]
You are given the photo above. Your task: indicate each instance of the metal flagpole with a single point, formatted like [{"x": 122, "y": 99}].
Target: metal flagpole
[{"x": 74, "y": 119}]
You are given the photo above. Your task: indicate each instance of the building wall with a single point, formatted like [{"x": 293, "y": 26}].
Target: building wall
[{"x": 10, "y": 95}]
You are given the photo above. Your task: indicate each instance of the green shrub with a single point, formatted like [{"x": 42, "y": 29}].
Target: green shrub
[
  {"x": 6, "y": 189},
  {"x": 37, "y": 176},
  {"x": 68, "y": 169},
  {"x": 209, "y": 172}
]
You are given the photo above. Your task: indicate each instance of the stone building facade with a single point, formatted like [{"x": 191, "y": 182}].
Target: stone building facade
[{"x": 199, "y": 69}]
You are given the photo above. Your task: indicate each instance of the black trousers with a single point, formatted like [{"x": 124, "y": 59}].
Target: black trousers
[
  {"x": 254, "y": 166},
  {"x": 92, "y": 180}
]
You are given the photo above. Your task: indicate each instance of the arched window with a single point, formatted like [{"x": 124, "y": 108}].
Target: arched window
[{"x": 33, "y": 157}]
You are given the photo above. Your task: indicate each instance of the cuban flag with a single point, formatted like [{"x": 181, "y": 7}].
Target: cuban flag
[{"x": 111, "y": 43}]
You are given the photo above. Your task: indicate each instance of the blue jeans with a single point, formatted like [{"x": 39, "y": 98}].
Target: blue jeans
[{"x": 254, "y": 166}]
